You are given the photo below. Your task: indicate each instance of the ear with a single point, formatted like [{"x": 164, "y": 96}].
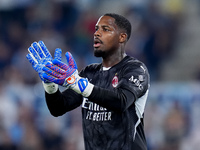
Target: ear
[{"x": 122, "y": 37}]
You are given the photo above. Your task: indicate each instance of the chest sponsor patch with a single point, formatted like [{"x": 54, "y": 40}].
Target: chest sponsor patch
[{"x": 95, "y": 112}]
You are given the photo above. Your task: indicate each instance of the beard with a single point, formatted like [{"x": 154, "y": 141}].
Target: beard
[{"x": 99, "y": 53}]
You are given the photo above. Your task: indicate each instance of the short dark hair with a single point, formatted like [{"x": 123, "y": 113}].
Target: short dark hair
[{"x": 121, "y": 22}]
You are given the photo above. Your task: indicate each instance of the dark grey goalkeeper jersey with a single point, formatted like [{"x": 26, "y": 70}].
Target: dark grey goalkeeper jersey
[{"x": 113, "y": 114}]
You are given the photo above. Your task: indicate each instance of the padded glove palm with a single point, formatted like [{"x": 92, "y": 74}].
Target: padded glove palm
[{"x": 39, "y": 56}]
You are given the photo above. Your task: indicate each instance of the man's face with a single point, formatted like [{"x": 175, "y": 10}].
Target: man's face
[{"x": 106, "y": 37}]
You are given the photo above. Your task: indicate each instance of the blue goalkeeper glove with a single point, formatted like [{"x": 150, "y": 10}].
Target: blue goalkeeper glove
[
  {"x": 67, "y": 75},
  {"x": 39, "y": 56}
]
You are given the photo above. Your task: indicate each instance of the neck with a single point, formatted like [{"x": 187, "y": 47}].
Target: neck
[{"x": 112, "y": 60}]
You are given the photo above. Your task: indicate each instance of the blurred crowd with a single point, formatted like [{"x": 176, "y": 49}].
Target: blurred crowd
[
  {"x": 172, "y": 118},
  {"x": 25, "y": 123}
]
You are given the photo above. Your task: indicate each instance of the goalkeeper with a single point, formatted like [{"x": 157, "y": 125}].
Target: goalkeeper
[{"x": 112, "y": 94}]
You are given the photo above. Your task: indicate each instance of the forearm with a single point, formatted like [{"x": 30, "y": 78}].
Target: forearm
[
  {"x": 59, "y": 103},
  {"x": 118, "y": 100}
]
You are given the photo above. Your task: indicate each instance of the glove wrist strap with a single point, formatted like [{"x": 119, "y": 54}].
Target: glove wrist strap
[{"x": 88, "y": 90}]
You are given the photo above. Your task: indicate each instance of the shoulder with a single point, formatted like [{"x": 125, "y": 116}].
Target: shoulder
[
  {"x": 131, "y": 63},
  {"x": 136, "y": 74},
  {"x": 135, "y": 61}
]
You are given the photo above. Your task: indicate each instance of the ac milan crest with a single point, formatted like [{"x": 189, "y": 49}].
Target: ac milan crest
[{"x": 115, "y": 81}]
